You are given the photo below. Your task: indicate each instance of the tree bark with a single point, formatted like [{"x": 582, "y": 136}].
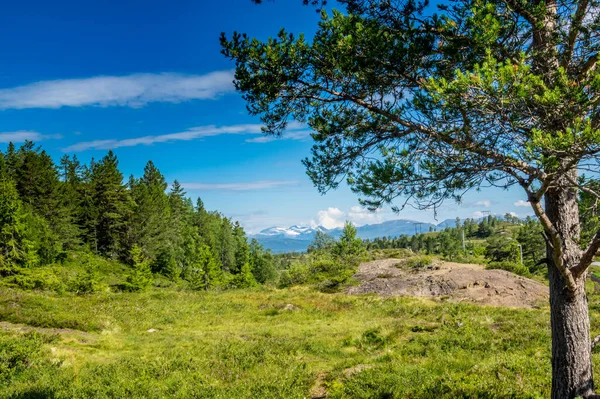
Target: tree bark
[{"x": 571, "y": 348}]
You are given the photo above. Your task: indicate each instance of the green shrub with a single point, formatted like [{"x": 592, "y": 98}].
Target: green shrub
[
  {"x": 469, "y": 259},
  {"x": 87, "y": 282},
  {"x": 417, "y": 262},
  {"x": 297, "y": 274},
  {"x": 140, "y": 276},
  {"x": 512, "y": 267},
  {"x": 42, "y": 279},
  {"x": 244, "y": 279},
  {"x": 18, "y": 353}
]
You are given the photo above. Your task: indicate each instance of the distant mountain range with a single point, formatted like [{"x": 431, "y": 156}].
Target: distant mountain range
[{"x": 297, "y": 238}]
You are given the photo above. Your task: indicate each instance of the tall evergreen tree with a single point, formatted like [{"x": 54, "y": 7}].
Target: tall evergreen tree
[
  {"x": 152, "y": 213},
  {"x": 242, "y": 249},
  {"x": 112, "y": 207},
  {"x": 15, "y": 248}
]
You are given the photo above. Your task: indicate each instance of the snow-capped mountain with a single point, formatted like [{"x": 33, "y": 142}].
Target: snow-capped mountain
[
  {"x": 296, "y": 231},
  {"x": 297, "y": 238}
]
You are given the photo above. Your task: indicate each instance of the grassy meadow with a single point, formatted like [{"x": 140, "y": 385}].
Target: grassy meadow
[{"x": 268, "y": 343}]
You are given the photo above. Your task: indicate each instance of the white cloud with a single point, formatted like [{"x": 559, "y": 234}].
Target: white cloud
[
  {"x": 334, "y": 217},
  {"x": 513, "y": 214},
  {"x": 330, "y": 218},
  {"x": 360, "y": 216},
  {"x": 521, "y": 203},
  {"x": 242, "y": 186},
  {"x": 190, "y": 134},
  {"x": 483, "y": 203},
  {"x": 20, "y": 136},
  {"x": 134, "y": 90}
]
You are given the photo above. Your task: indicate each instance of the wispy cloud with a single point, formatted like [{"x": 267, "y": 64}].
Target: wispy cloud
[
  {"x": 483, "y": 203},
  {"x": 521, "y": 203},
  {"x": 134, "y": 90},
  {"x": 20, "y": 136},
  {"x": 190, "y": 134},
  {"x": 241, "y": 186}
]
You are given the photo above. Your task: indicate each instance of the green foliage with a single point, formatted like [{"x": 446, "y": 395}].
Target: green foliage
[
  {"x": 502, "y": 249},
  {"x": 244, "y": 279},
  {"x": 509, "y": 266},
  {"x": 246, "y": 343},
  {"x": 205, "y": 272},
  {"x": 50, "y": 214},
  {"x": 166, "y": 264},
  {"x": 534, "y": 247},
  {"x": 140, "y": 276},
  {"x": 262, "y": 263},
  {"x": 322, "y": 242},
  {"x": 417, "y": 262},
  {"x": 20, "y": 353},
  {"x": 349, "y": 246},
  {"x": 87, "y": 281}
]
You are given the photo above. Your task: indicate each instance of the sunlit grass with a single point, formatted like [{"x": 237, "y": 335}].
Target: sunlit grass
[{"x": 268, "y": 343}]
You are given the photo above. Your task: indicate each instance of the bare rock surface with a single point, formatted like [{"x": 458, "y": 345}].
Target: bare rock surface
[{"x": 453, "y": 281}]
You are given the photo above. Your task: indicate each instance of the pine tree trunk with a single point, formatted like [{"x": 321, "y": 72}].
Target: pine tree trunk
[{"x": 571, "y": 347}]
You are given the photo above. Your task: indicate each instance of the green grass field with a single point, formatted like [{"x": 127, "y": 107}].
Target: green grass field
[{"x": 268, "y": 343}]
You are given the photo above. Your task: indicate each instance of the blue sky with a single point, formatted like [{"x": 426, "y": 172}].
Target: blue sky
[{"x": 147, "y": 79}]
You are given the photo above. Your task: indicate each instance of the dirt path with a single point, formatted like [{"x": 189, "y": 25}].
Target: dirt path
[{"x": 456, "y": 281}]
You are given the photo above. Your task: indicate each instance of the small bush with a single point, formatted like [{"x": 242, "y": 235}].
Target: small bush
[
  {"x": 40, "y": 279},
  {"x": 20, "y": 353},
  {"x": 372, "y": 339},
  {"x": 297, "y": 274},
  {"x": 512, "y": 267},
  {"x": 469, "y": 259},
  {"x": 417, "y": 262},
  {"x": 140, "y": 276},
  {"x": 87, "y": 282}
]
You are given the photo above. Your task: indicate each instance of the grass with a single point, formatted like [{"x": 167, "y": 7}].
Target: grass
[{"x": 269, "y": 343}]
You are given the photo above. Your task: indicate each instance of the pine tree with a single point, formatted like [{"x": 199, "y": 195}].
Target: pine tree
[
  {"x": 349, "y": 245},
  {"x": 15, "y": 246},
  {"x": 242, "y": 250},
  {"x": 206, "y": 273},
  {"x": 140, "y": 276},
  {"x": 226, "y": 246},
  {"x": 410, "y": 100},
  {"x": 112, "y": 207},
  {"x": 152, "y": 213},
  {"x": 262, "y": 263}
]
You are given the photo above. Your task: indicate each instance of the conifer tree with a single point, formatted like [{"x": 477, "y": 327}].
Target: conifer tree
[
  {"x": 152, "y": 213},
  {"x": 112, "y": 207},
  {"x": 140, "y": 276},
  {"x": 226, "y": 246},
  {"x": 206, "y": 273},
  {"x": 406, "y": 100},
  {"x": 242, "y": 250},
  {"x": 15, "y": 247}
]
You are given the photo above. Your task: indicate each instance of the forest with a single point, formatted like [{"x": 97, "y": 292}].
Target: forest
[{"x": 56, "y": 213}]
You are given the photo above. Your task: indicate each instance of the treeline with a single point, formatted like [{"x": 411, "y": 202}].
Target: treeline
[
  {"x": 497, "y": 242},
  {"x": 48, "y": 211}
]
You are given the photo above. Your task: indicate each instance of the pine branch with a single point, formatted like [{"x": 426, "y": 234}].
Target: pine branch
[{"x": 574, "y": 31}]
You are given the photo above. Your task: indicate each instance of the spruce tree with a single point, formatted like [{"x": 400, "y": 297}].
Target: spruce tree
[
  {"x": 152, "y": 212},
  {"x": 140, "y": 275},
  {"x": 112, "y": 207}
]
